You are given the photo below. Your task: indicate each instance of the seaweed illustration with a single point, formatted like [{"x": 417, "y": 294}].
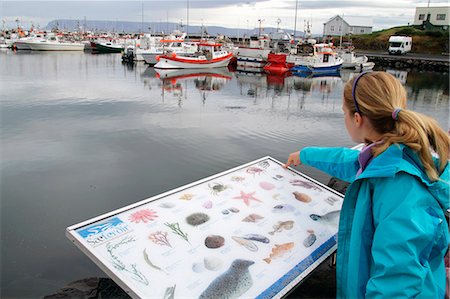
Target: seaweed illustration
[
  {"x": 149, "y": 262},
  {"x": 119, "y": 265},
  {"x": 175, "y": 227},
  {"x": 160, "y": 238}
]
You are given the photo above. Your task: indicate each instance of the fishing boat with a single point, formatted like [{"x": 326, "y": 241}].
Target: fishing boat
[
  {"x": 107, "y": 47},
  {"x": 179, "y": 47},
  {"x": 210, "y": 55},
  {"x": 52, "y": 43},
  {"x": 323, "y": 60},
  {"x": 350, "y": 60},
  {"x": 256, "y": 54}
]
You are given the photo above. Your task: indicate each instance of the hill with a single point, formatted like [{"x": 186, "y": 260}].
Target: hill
[
  {"x": 166, "y": 27},
  {"x": 424, "y": 41}
]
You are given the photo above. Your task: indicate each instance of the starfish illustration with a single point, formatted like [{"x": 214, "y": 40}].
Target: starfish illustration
[{"x": 246, "y": 197}]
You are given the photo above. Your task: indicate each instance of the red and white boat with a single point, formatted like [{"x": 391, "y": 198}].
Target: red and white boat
[{"x": 210, "y": 55}]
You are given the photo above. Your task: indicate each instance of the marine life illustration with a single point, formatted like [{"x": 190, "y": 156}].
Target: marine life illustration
[
  {"x": 266, "y": 185},
  {"x": 170, "y": 292},
  {"x": 282, "y": 225},
  {"x": 233, "y": 283},
  {"x": 167, "y": 205},
  {"x": 197, "y": 219},
  {"x": 147, "y": 260},
  {"x": 284, "y": 208},
  {"x": 186, "y": 196},
  {"x": 278, "y": 251},
  {"x": 278, "y": 177},
  {"x": 302, "y": 197},
  {"x": 252, "y": 218},
  {"x": 304, "y": 184},
  {"x": 264, "y": 164},
  {"x": 237, "y": 179},
  {"x": 119, "y": 265},
  {"x": 159, "y": 238},
  {"x": 276, "y": 196},
  {"x": 246, "y": 243},
  {"x": 256, "y": 237},
  {"x": 207, "y": 204},
  {"x": 175, "y": 227},
  {"x": 214, "y": 241},
  {"x": 225, "y": 212},
  {"x": 310, "y": 239},
  {"x": 331, "y": 200},
  {"x": 216, "y": 188},
  {"x": 212, "y": 263},
  {"x": 144, "y": 215},
  {"x": 246, "y": 197},
  {"x": 233, "y": 210},
  {"x": 331, "y": 217},
  {"x": 254, "y": 170}
]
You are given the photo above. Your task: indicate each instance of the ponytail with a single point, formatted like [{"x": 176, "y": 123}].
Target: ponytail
[{"x": 382, "y": 99}]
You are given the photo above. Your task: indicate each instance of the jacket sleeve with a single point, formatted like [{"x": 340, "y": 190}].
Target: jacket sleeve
[
  {"x": 408, "y": 237},
  {"x": 338, "y": 162}
]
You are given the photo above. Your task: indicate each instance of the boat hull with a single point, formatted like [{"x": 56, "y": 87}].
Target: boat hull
[
  {"x": 317, "y": 69},
  {"x": 166, "y": 62},
  {"x": 46, "y": 46},
  {"x": 107, "y": 49}
]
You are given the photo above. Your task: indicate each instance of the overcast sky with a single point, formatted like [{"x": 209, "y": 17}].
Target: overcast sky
[{"x": 228, "y": 13}]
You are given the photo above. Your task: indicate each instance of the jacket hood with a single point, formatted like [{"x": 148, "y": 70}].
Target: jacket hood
[{"x": 397, "y": 158}]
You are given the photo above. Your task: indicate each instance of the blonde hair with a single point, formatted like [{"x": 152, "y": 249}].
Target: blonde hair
[{"x": 377, "y": 95}]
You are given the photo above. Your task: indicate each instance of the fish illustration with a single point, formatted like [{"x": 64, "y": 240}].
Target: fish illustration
[
  {"x": 305, "y": 184},
  {"x": 246, "y": 243},
  {"x": 278, "y": 251},
  {"x": 231, "y": 284},
  {"x": 282, "y": 225},
  {"x": 310, "y": 239}
]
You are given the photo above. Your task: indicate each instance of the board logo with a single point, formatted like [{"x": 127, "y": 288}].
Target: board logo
[{"x": 105, "y": 231}]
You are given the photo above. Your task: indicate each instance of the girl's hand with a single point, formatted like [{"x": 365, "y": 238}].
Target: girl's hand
[{"x": 293, "y": 158}]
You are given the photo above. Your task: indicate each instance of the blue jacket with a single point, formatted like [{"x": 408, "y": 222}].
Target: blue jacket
[{"x": 393, "y": 234}]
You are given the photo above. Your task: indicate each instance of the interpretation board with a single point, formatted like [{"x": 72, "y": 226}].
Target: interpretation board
[{"x": 254, "y": 231}]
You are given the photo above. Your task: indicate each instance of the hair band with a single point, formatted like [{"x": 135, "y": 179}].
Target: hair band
[
  {"x": 395, "y": 113},
  {"x": 354, "y": 89}
]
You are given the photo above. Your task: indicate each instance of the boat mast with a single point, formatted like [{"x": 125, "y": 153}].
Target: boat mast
[
  {"x": 187, "y": 22},
  {"x": 295, "y": 20}
]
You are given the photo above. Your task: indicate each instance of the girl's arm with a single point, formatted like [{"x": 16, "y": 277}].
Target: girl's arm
[{"x": 338, "y": 162}]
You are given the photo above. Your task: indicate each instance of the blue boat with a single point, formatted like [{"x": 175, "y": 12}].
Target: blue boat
[{"x": 324, "y": 61}]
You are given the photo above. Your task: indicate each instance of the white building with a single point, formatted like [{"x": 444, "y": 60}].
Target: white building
[
  {"x": 338, "y": 25},
  {"x": 438, "y": 16}
]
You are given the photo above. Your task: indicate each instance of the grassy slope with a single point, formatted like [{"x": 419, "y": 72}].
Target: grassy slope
[{"x": 430, "y": 42}]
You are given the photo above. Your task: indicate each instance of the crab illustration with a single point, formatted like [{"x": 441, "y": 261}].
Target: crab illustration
[
  {"x": 254, "y": 170},
  {"x": 216, "y": 188}
]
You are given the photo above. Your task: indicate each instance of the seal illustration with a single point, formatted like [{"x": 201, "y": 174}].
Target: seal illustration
[{"x": 231, "y": 284}]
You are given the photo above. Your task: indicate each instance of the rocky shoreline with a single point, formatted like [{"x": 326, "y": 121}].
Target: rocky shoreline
[{"x": 437, "y": 63}]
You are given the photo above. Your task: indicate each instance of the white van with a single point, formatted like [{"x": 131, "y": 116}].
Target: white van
[{"x": 400, "y": 44}]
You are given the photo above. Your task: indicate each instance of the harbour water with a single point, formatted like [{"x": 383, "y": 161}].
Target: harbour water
[{"x": 84, "y": 134}]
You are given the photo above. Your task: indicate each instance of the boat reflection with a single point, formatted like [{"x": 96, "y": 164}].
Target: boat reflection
[{"x": 205, "y": 80}]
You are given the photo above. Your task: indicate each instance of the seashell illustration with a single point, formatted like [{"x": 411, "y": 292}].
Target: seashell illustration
[
  {"x": 167, "y": 205},
  {"x": 256, "y": 237},
  {"x": 214, "y": 241},
  {"x": 278, "y": 251},
  {"x": 225, "y": 212},
  {"x": 246, "y": 243},
  {"x": 302, "y": 197},
  {"x": 198, "y": 267},
  {"x": 234, "y": 210},
  {"x": 212, "y": 263},
  {"x": 266, "y": 185},
  {"x": 283, "y": 208},
  {"x": 197, "y": 219},
  {"x": 187, "y": 196},
  {"x": 252, "y": 218},
  {"x": 207, "y": 204},
  {"x": 310, "y": 239},
  {"x": 232, "y": 284}
]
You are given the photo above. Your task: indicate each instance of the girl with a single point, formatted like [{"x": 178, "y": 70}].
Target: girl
[{"x": 393, "y": 234}]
